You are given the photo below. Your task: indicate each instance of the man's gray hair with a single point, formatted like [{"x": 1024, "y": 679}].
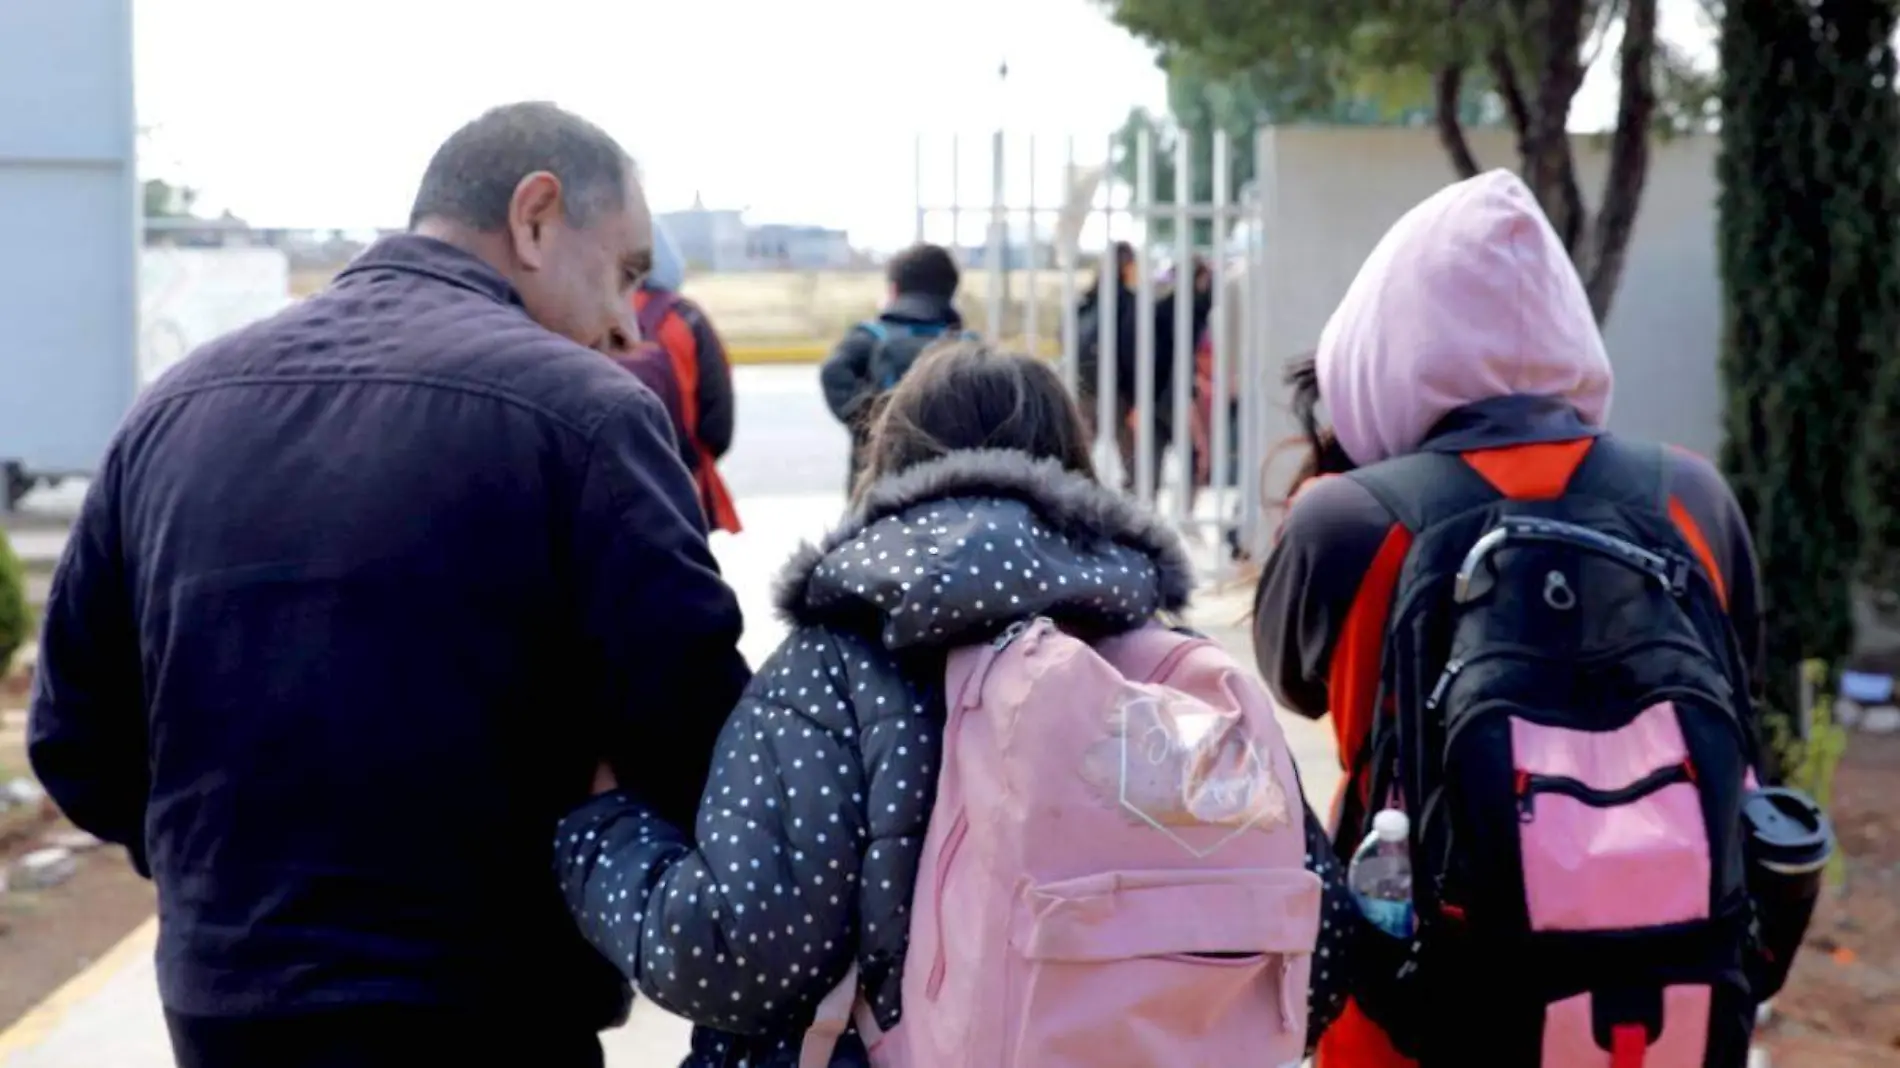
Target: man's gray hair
[{"x": 472, "y": 177}]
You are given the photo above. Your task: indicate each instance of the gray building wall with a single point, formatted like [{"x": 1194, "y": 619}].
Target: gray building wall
[
  {"x": 69, "y": 224},
  {"x": 1334, "y": 192},
  {"x": 799, "y": 248},
  {"x": 709, "y": 240},
  {"x": 713, "y": 239}
]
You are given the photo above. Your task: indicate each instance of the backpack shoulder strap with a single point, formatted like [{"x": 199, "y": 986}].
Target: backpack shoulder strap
[
  {"x": 1625, "y": 472},
  {"x": 1423, "y": 488},
  {"x": 877, "y": 330}
]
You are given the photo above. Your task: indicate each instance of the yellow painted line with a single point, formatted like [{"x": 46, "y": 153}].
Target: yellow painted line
[
  {"x": 31, "y": 1029},
  {"x": 743, "y": 355}
]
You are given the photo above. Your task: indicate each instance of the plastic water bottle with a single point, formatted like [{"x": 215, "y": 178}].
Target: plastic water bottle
[{"x": 1381, "y": 874}]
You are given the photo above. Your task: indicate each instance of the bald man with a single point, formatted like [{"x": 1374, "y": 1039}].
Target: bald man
[{"x": 359, "y": 598}]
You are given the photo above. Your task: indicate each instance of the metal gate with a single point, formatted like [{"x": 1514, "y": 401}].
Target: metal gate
[{"x": 1230, "y": 400}]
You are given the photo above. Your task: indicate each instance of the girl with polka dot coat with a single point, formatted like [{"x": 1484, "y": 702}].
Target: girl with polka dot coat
[{"x": 811, "y": 825}]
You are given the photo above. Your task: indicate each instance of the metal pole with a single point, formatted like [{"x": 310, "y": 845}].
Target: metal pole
[
  {"x": 1066, "y": 255},
  {"x": 1000, "y": 201},
  {"x": 917, "y": 175},
  {"x": 1220, "y": 325},
  {"x": 1032, "y": 266},
  {"x": 1106, "y": 323},
  {"x": 1252, "y": 402},
  {"x": 956, "y": 198},
  {"x": 999, "y": 239},
  {"x": 1145, "y": 324},
  {"x": 1182, "y": 386}
]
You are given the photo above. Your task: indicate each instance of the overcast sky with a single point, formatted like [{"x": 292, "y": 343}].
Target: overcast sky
[{"x": 798, "y": 110}]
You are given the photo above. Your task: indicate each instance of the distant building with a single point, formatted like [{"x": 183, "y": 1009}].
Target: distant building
[
  {"x": 707, "y": 240},
  {"x": 711, "y": 239},
  {"x": 1016, "y": 257},
  {"x": 805, "y": 248}
]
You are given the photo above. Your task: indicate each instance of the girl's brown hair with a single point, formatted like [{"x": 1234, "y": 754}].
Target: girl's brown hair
[
  {"x": 1324, "y": 456},
  {"x": 964, "y": 395}
]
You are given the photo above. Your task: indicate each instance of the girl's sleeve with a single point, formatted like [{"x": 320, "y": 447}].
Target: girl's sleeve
[
  {"x": 748, "y": 928},
  {"x": 1331, "y": 976}
]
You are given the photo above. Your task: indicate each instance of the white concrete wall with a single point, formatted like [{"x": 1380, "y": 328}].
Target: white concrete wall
[{"x": 1338, "y": 189}]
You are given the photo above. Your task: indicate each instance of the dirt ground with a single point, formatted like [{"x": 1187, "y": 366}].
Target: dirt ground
[
  {"x": 48, "y": 936},
  {"x": 1841, "y": 1008}
]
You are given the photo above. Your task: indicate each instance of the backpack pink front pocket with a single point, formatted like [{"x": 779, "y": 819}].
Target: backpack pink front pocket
[
  {"x": 1611, "y": 825},
  {"x": 1132, "y": 968}
]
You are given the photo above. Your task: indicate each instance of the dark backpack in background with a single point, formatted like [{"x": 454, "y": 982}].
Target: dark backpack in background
[
  {"x": 896, "y": 346},
  {"x": 1565, "y": 716}
]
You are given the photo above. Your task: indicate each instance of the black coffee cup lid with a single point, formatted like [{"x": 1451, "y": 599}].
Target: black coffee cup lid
[{"x": 1788, "y": 828}]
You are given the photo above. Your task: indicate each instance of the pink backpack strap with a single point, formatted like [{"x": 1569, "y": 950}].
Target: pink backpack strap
[{"x": 839, "y": 1009}]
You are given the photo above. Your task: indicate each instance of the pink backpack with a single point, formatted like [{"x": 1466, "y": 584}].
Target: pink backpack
[{"x": 1114, "y": 873}]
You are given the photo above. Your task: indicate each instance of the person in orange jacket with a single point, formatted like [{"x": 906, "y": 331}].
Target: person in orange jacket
[
  {"x": 702, "y": 370},
  {"x": 1466, "y": 333}
]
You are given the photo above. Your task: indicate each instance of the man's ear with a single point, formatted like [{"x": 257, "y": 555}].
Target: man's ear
[{"x": 531, "y": 211}]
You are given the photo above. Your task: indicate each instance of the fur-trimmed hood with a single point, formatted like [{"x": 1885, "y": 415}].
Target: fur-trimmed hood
[{"x": 959, "y": 547}]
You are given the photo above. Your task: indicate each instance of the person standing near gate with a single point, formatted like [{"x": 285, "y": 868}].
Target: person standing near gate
[
  {"x": 875, "y": 355},
  {"x": 358, "y": 600}
]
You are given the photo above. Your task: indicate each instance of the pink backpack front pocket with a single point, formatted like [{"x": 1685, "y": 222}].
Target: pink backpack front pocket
[
  {"x": 1133, "y": 968},
  {"x": 1611, "y": 826}
]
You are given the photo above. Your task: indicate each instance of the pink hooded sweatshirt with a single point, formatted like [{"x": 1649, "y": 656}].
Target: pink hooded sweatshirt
[{"x": 1469, "y": 296}]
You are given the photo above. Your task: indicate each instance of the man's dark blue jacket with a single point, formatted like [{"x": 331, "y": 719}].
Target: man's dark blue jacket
[{"x": 358, "y": 599}]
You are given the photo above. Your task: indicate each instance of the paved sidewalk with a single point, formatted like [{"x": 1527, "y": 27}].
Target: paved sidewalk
[{"x": 109, "y": 1016}]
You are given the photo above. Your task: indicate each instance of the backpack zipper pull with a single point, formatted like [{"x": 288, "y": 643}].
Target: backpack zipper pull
[
  {"x": 1526, "y": 808},
  {"x": 1445, "y": 679},
  {"x": 1011, "y": 633}
]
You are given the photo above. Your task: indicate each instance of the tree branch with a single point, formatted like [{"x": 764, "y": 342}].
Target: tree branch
[
  {"x": 1549, "y": 165},
  {"x": 1510, "y": 90},
  {"x": 1451, "y": 132},
  {"x": 1599, "y": 34},
  {"x": 1629, "y": 157}
]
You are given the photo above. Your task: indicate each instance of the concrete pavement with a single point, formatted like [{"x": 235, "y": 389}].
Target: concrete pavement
[{"x": 108, "y": 1017}]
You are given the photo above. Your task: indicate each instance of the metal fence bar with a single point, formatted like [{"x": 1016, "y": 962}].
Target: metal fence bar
[
  {"x": 1181, "y": 388},
  {"x": 1253, "y": 399},
  {"x": 1144, "y": 327},
  {"x": 956, "y": 197},
  {"x": 1220, "y": 326},
  {"x": 1032, "y": 299},
  {"x": 1107, "y": 303},
  {"x": 996, "y": 247},
  {"x": 1066, "y": 257},
  {"x": 1226, "y": 406},
  {"x": 1200, "y": 212},
  {"x": 917, "y": 171}
]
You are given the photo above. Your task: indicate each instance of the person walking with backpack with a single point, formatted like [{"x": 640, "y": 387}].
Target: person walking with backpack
[
  {"x": 1538, "y": 643},
  {"x": 701, "y": 372},
  {"x": 871, "y": 359},
  {"x": 980, "y": 808}
]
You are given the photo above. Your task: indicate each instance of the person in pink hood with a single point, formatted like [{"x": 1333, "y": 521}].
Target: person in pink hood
[{"x": 1466, "y": 332}]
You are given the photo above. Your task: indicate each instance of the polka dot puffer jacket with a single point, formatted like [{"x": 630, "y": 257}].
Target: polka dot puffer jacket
[{"x": 812, "y": 823}]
